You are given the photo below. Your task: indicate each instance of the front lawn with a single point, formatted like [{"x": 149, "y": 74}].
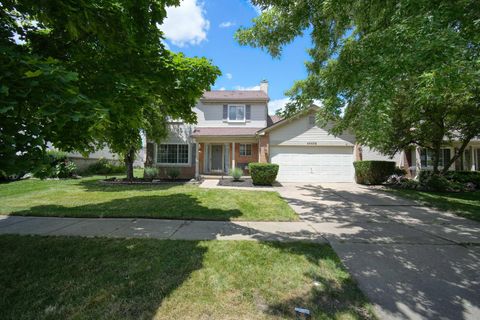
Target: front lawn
[
  {"x": 87, "y": 197},
  {"x": 65, "y": 278},
  {"x": 465, "y": 204}
]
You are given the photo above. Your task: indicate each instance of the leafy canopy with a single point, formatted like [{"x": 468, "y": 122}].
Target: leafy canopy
[
  {"x": 90, "y": 73},
  {"x": 395, "y": 72}
]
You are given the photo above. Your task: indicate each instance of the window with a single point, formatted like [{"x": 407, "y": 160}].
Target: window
[
  {"x": 245, "y": 149},
  {"x": 426, "y": 157},
  {"x": 172, "y": 153},
  {"x": 311, "y": 120},
  {"x": 236, "y": 113}
]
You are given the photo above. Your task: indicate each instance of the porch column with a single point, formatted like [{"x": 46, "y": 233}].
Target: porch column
[
  {"x": 197, "y": 175},
  {"x": 233, "y": 155},
  {"x": 418, "y": 161},
  {"x": 472, "y": 159}
]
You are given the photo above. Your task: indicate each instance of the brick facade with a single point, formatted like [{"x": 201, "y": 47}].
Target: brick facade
[{"x": 264, "y": 146}]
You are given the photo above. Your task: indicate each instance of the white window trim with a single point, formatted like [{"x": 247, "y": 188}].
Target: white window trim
[
  {"x": 188, "y": 164},
  {"x": 244, "y": 113},
  {"x": 240, "y": 149}
]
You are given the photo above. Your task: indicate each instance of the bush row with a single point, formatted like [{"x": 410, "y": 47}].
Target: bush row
[{"x": 373, "y": 172}]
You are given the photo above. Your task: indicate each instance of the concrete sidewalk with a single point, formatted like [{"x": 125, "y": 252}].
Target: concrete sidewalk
[{"x": 160, "y": 229}]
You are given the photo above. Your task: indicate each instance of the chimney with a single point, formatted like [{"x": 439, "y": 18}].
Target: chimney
[{"x": 264, "y": 86}]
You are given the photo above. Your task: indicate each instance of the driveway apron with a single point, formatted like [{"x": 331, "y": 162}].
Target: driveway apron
[{"x": 412, "y": 261}]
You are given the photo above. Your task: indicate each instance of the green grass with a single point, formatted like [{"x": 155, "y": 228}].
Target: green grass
[
  {"x": 465, "y": 204},
  {"x": 87, "y": 197},
  {"x": 65, "y": 278}
]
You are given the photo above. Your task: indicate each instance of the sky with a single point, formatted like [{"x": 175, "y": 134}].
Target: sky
[{"x": 206, "y": 28}]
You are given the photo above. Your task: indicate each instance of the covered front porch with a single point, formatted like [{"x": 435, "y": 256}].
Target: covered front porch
[{"x": 217, "y": 156}]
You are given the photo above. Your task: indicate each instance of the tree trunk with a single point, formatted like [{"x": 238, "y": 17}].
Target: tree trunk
[
  {"x": 457, "y": 154},
  {"x": 436, "y": 157},
  {"x": 129, "y": 159}
]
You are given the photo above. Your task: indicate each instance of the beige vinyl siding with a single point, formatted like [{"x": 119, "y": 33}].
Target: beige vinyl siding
[
  {"x": 211, "y": 115},
  {"x": 299, "y": 132},
  {"x": 370, "y": 154}
]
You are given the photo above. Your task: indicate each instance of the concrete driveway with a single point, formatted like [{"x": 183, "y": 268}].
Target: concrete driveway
[{"x": 413, "y": 262}]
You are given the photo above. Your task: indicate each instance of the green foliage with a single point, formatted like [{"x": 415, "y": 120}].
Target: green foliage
[
  {"x": 400, "y": 171},
  {"x": 434, "y": 182},
  {"x": 396, "y": 73},
  {"x": 173, "y": 173},
  {"x": 90, "y": 73},
  {"x": 373, "y": 172},
  {"x": 464, "y": 177},
  {"x": 236, "y": 173},
  {"x": 263, "y": 173},
  {"x": 150, "y": 172},
  {"x": 105, "y": 167},
  {"x": 55, "y": 165}
]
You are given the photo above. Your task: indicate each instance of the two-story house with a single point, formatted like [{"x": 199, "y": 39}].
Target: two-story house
[{"x": 233, "y": 129}]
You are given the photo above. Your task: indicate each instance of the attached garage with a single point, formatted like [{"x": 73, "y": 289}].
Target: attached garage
[
  {"x": 313, "y": 164},
  {"x": 306, "y": 152}
]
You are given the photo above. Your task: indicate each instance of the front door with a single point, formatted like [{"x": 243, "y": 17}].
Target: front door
[{"x": 216, "y": 158}]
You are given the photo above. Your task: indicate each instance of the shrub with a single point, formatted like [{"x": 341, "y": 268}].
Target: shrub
[
  {"x": 105, "y": 167},
  {"x": 372, "y": 171},
  {"x": 464, "y": 177},
  {"x": 437, "y": 182},
  {"x": 400, "y": 172},
  {"x": 236, "y": 174},
  {"x": 263, "y": 173},
  {"x": 173, "y": 173},
  {"x": 150, "y": 172},
  {"x": 55, "y": 165},
  {"x": 65, "y": 169}
]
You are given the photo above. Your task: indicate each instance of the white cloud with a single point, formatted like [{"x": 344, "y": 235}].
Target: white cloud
[
  {"x": 186, "y": 24},
  {"x": 274, "y": 105},
  {"x": 229, "y": 76},
  {"x": 247, "y": 88},
  {"x": 226, "y": 24}
]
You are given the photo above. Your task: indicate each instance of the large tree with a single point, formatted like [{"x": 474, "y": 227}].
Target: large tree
[
  {"x": 398, "y": 73},
  {"x": 115, "y": 50}
]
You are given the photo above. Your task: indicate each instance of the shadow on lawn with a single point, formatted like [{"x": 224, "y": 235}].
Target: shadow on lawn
[
  {"x": 129, "y": 279},
  {"x": 59, "y": 278},
  {"x": 331, "y": 296},
  {"x": 173, "y": 206}
]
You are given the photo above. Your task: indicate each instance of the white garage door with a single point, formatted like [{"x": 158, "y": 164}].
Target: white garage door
[{"x": 313, "y": 164}]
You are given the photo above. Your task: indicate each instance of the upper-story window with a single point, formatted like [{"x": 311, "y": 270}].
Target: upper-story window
[{"x": 236, "y": 113}]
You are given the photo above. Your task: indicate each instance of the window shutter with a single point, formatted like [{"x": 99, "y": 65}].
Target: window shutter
[
  {"x": 225, "y": 112},
  {"x": 248, "y": 112}
]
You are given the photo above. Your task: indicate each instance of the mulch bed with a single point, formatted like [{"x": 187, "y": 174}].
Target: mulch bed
[
  {"x": 140, "y": 181},
  {"x": 245, "y": 183}
]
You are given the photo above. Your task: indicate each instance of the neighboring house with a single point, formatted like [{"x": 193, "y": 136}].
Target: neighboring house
[
  {"x": 416, "y": 159},
  {"x": 233, "y": 129},
  {"x": 105, "y": 153}
]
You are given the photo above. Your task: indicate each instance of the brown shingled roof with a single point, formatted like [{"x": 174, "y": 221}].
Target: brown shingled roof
[
  {"x": 271, "y": 120},
  {"x": 235, "y": 95},
  {"x": 225, "y": 131}
]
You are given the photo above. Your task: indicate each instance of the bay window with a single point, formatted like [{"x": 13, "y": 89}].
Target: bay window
[{"x": 172, "y": 153}]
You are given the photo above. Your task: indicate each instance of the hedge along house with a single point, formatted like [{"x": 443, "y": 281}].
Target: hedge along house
[{"x": 234, "y": 129}]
